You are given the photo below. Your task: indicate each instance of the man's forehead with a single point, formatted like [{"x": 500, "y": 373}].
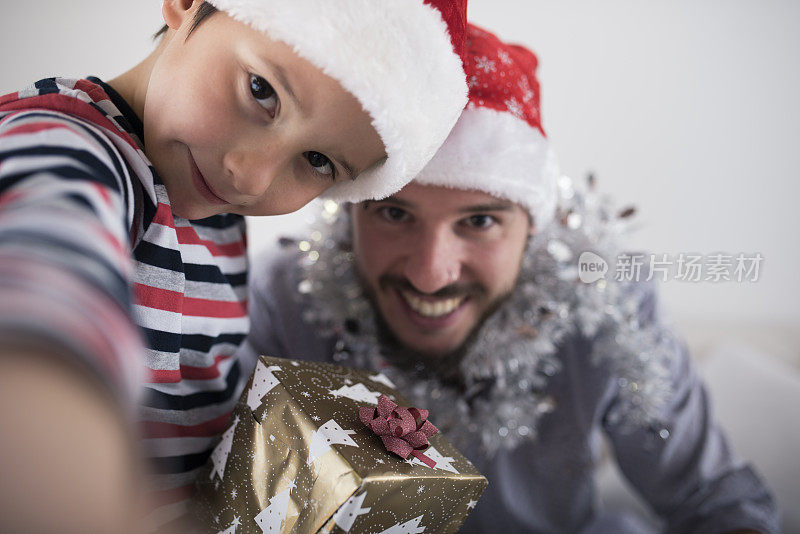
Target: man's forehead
[{"x": 443, "y": 198}]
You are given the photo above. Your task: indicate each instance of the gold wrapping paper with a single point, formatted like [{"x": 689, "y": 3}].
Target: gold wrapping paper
[{"x": 296, "y": 458}]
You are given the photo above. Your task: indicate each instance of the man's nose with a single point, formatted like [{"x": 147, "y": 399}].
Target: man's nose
[
  {"x": 252, "y": 171},
  {"x": 434, "y": 260}
]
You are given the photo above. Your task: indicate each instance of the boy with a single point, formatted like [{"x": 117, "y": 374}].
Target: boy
[{"x": 248, "y": 107}]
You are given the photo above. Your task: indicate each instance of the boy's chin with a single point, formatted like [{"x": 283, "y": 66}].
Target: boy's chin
[{"x": 192, "y": 212}]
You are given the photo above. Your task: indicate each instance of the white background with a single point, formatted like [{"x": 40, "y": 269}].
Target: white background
[{"x": 687, "y": 109}]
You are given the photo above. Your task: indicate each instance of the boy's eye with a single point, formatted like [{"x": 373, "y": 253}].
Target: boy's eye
[
  {"x": 264, "y": 94},
  {"x": 480, "y": 221},
  {"x": 321, "y": 163},
  {"x": 393, "y": 213}
]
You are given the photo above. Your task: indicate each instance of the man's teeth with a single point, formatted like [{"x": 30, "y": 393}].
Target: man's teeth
[{"x": 428, "y": 308}]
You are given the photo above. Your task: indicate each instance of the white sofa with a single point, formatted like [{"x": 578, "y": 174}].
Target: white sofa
[{"x": 753, "y": 375}]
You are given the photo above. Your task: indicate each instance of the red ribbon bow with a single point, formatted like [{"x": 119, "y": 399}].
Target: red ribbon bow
[{"x": 404, "y": 431}]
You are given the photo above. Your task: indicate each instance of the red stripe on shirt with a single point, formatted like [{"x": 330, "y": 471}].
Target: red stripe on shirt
[
  {"x": 71, "y": 106},
  {"x": 160, "y": 299},
  {"x": 162, "y": 376},
  {"x": 214, "y": 427},
  {"x": 11, "y": 196},
  {"x": 163, "y": 215},
  {"x": 94, "y": 91},
  {"x": 103, "y": 191},
  {"x": 189, "y": 372},
  {"x": 122, "y": 251},
  {"x": 195, "y": 307},
  {"x": 188, "y": 236},
  {"x": 174, "y": 301},
  {"x": 10, "y": 97},
  {"x": 186, "y": 372},
  {"x": 34, "y": 128}
]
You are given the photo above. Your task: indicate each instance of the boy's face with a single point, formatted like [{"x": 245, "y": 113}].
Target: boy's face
[
  {"x": 436, "y": 262},
  {"x": 238, "y": 123}
]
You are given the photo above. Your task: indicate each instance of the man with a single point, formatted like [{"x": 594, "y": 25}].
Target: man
[{"x": 463, "y": 288}]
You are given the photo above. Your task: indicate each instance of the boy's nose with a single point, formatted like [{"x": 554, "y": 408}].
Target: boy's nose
[
  {"x": 434, "y": 261},
  {"x": 251, "y": 172}
]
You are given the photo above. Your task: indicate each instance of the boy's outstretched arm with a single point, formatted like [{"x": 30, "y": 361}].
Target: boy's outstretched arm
[
  {"x": 70, "y": 351},
  {"x": 68, "y": 462}
]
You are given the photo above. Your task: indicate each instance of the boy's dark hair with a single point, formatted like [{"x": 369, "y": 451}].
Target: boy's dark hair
[{"x": 202, "y": 13}]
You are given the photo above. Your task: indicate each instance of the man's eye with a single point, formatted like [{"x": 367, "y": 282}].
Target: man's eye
[
  {"x": 264, "y": 94},
  {"x": 393, "y": 213},
  {"x": 322, "y": 165},
  {"x": 480, "y": 221}
]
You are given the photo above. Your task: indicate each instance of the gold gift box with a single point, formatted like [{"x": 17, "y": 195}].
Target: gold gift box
[{"x": 296, "y": 458}]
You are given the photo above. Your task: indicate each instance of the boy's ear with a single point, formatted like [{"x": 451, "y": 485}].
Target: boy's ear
[{"x": 176, "y": 12}]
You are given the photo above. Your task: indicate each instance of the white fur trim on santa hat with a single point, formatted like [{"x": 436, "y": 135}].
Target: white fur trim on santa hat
[
  {"x": 499, "y": 154},
  {"x": 395, "y": 56}
]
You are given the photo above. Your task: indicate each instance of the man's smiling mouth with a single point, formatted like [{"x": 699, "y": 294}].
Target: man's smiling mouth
[{"x": 432, "y": 307}]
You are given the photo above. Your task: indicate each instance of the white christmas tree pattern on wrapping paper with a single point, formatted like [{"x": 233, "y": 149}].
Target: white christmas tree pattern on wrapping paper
[
  {"x": 231, "y": 529},
  {"x": 409, "y": 527},
  {"x": 383, "y": 379},
  {"x": 445, "y": 463},
  {"x": 220, "y": 455},
  {"x": 328, "y": 434},
  {"x": 263, "y": 382},
  {"x": 271, "y": 518},
  {"x": 358, "y": 393},
  {"x": 346, "y": 515}
]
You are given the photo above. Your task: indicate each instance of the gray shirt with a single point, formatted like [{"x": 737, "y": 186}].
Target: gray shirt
[{"x": 692, "y": 479}]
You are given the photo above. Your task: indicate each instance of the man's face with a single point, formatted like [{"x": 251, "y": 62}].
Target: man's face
[
  {"x": 435, "y": 261},
  {"x": 238, "y": 123}
]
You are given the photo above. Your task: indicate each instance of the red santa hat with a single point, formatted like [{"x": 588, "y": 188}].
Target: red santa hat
[
  {"x": 400, "y": 58},
  {"x": 498, "y": 145}
]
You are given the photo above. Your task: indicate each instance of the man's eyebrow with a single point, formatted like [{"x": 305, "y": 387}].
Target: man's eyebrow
[
  {"x": 491, "y": 206},
  {"x": 394, "y": 200}
]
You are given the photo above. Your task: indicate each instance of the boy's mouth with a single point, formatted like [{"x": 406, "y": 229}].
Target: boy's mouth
[{"x": 202, "y": 186}]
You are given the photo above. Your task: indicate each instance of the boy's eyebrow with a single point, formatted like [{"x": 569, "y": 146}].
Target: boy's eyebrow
[
  {"x": 347, "y": 168},
  {"x": 280, "y": 74}
]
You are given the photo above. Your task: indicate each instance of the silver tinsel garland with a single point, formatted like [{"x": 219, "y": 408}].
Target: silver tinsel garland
[{"x": 503, "y": 375}]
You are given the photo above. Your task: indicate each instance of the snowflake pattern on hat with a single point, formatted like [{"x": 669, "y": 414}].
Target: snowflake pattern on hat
[
  {"x": 501, "y": 76},
  {"x": 499, "y": 146}
]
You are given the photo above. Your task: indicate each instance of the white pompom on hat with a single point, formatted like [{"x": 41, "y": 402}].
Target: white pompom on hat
[
  {"x": 402, "y": 59},
  {"x": 498, "y": 145}
]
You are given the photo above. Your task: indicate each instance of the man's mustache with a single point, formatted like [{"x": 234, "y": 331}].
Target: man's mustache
[{"x": 388, "y": 281}]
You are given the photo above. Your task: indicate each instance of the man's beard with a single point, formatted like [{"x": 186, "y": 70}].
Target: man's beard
[{"x": 444, "y": 365}]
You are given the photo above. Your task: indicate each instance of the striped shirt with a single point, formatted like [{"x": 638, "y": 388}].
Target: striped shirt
[{"x": 93, "y": 259}]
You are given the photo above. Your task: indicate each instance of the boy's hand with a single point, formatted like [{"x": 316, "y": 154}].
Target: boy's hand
[{"x": 67, "y": 461}]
